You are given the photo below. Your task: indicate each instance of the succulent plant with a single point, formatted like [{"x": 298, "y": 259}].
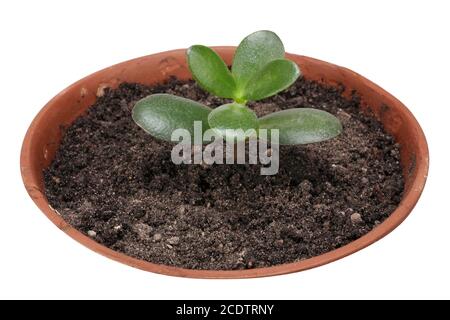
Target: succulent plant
[{"x": 259, "y": 70}]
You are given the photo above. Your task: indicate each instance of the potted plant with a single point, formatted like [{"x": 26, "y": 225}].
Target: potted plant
[{"x": 352, "y": 161}]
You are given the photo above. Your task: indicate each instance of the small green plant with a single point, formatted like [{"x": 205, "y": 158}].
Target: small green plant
[{"x": 259, "y": 70}]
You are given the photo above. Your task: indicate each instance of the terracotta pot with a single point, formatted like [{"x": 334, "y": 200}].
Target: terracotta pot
[{"x": 44, "y": 134}]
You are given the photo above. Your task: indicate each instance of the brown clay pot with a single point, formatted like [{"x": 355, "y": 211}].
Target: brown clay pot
[{"x": 44, "y": 135}]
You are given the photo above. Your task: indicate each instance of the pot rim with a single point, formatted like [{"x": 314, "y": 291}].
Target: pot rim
[{"x": 406, "y": 205}]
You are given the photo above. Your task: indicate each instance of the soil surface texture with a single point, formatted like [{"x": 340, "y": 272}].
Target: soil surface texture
[{"x": 118, "y": 185}]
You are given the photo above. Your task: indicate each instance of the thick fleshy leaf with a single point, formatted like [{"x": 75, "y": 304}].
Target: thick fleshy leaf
[
  {"x": 274, "y": 77},
  {"x": 233, "y": 116},
  {"x": 161, "y": 114},
  {"x": 253, "y": 53},
  {"x": 302, "y": 125},
  {"x": 210, "y": 71}
]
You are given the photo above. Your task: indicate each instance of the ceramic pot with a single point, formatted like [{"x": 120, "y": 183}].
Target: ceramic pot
[{"x": 44, "y": 135}]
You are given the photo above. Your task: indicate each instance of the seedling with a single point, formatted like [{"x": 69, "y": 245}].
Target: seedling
[{"x": 259, "y": 70}]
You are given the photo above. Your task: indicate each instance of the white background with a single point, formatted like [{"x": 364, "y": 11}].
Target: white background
[{"x": 47, "y": 45}]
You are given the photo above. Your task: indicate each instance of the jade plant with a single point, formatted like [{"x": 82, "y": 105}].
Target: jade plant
[{"x": 259, "y": 70}]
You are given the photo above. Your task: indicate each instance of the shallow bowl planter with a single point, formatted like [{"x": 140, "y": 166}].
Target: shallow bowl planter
[{"x": 44, "y": 135}]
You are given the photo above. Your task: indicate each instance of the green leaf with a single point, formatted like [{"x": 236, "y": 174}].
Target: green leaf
[
  {"x": 210, "y": 71},
  {"x": 274, "y": 77},
  {"x": 302, "y": 125},
  {"x": 253, "y": 53},
  {"x": 233, "y": 116},
  {"x": 161, "y": 114}
]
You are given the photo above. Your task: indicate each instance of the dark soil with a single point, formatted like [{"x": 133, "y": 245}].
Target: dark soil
[{"x": 117, "y": 184}]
